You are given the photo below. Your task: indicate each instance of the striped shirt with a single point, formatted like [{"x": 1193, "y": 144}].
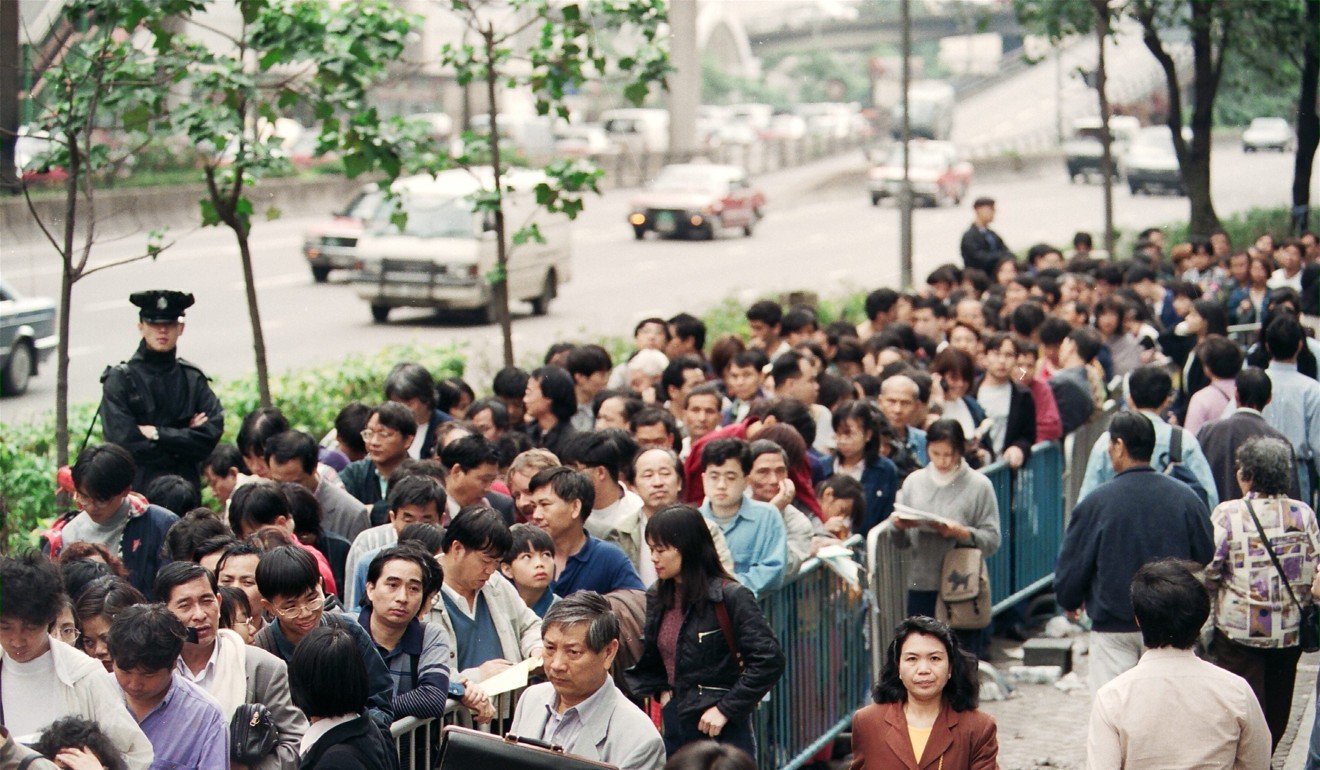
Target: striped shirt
[{"x": 419, "y": 666}]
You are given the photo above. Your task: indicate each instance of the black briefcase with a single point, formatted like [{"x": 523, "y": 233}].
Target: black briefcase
[{"x": 464, "y": 749}]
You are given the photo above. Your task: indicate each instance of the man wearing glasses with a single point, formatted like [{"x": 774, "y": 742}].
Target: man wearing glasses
[
  {"x": 291, "y": 591},
  {"x": 218, "y": 661},
  {"x": 116, "y": 517},
  {"x": 389, "y": 433}
]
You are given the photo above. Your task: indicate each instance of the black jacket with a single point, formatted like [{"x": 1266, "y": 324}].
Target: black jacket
[
  {"x": 553, "y": 440},
  {"x": 1020, "y": 431},
  {"x": 355, "y": 745},
  {"x": 706, "y": 673},
  {"x": 163, "y": 390},
  {"x": 978, "y": 252},
  {"x": 438, "y": 418}
]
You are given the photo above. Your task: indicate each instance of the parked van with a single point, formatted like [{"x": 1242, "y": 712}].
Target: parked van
[
  {"x": 443, "y": 256},
  {"x": 638, "y": 130}
]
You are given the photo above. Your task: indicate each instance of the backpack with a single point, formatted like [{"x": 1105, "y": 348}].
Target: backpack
[
  {"x": 963, "y": 601},
  {"x": 1175, "y": 468}
]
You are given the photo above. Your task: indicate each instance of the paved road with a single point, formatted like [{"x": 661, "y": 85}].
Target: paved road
[{"x": 827, "y": 240}]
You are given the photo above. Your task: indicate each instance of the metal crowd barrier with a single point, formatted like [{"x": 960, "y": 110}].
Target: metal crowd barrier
[
  {"x": 416, "y": 740},
  {"x": 820, "y": 622}
]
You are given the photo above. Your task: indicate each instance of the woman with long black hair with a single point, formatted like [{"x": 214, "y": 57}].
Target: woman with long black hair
[
  {"x": 708, "y": 654},
  {"x": 859, "y": 429}
]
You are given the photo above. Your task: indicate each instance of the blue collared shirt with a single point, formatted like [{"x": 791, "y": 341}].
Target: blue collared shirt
[
  {"x": 599, "y": 566},
  {"x": 186, "y": 729},
  {"x": 1099, "y": 469},
  {"x": 1294, "y": 408},
  {"x": 758, "y": 542}
]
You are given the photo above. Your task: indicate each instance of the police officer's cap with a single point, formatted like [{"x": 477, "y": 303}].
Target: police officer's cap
[{"x": 161, "y": 305}]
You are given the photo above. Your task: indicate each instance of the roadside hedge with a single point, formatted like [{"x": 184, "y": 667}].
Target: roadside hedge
[{"x": 309, "y": 398}]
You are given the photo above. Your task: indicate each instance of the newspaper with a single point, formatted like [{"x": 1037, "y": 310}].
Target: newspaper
[
  {"x": 924, "y": 519},
  {"x": 512, "y": 678}
]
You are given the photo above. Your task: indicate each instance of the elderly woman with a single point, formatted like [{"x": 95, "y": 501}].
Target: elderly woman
[
  {"x": 925, "y": 712},
  {"x": 1256, "y": 613}
]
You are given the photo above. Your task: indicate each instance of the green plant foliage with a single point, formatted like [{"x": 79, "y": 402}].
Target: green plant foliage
[{"x": 1244, "y": 228}]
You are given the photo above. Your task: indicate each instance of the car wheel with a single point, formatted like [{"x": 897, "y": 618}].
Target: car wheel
[
  {"x": 1134, "y": 188},
  {"x": 320, "y": 274},
  {"x": 484, "y": 315},
  {"x": 18, "y": 371},
  {"x": 639, "y": 232},
  {"x": 875, "y": 199},
  {"x": 549, "y": 290},
  {"x": 747, "y": 228},
  {"x": 380, "y": 313}
]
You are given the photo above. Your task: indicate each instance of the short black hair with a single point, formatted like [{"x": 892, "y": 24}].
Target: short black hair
[
  {"x": 481, "y": 528},
  {"x": 557, "y": 385},
  {"x": 1170, "y": 603},
  {"x": 510, "y": 382},
  {"x": 327, "y": 675},
  {"x": 1027, "y": 318},
  {"x": 431, "y": 537},
  {"x": 77, "y": 575},
  {"x": 103, "y": 471},
  {"x": 396, "y": 417},
  {"x": 258, "y": 426},
  {"x": 880, "y": 301},
  {"x": 608, "y": 449},
  {"x": 174, "y": 493},
  {"x": 1053, "y": 330},
  {"x": 1138, "y": 273},
  {"x": 145, "y": 637},
  {"x": 305, "y": 510},
  {"x": 791, "y": 411},
  {"x": 1254, "y": 388},
  {"x": 293, "y": 445},
  {"x": 1082, "y": 239},
  {"x": 1220, "y": 356},
  {"x": 79, "y": 733},
  {"x": 568, "y": 485},
  {"x": 223, "y": 458},
  {"x": 1149, "y": 386},
  {"x": 175, "y": 574},
  {"x": 416, "y": 489},
  {"x": 528, "y": 538},
  {"x": 349, "y": 424},
  {"x": 212, "y": 545},
  {"x": 1284, "y": 337},
  {"x": 194, "y": 528},
  {"x": 672, "y": 376},
  {"x": 499, "y": 413},
  {"x": 686, "y": 326},
  {"x": 587, "y": 360},
  {"x": 407, "y": 381},
  {"x": 233, "y": 599},
  {"x": 450, "y": 392},
  {"x": 105, "y": 597},
  {"x": 787, "y": 366},
  {"x": 287, "y": 571},
  {"x": 767, "y": 312},
  {"x": 631, "y": 404},
  {"x": 236, "y": 548},
  {"x": 1136, "y": 433},
  {"x": 721, "y": 450},
  {"x": 1088, "y": 342},
  {"x": 799, "y": 318},
  {"x": 432, "y": 574},
  {"x": 257, "y": 504},
  {"x": 950, "y": 431},
  {"x": 653, "y": 415},
  {"x": 33, "y": 592},
  {"x": 469, "y": 452}
]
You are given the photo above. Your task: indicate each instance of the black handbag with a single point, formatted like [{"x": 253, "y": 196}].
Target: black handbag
[
  {"x": 464, "y": 749},
  {"x": 1308, "y": 631},
  {"x": 252, "y": 734}
]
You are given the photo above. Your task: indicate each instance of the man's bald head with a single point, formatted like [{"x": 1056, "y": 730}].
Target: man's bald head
[
  {"x": 899, "y": 385},
  {"x": 898, "y": 399}
]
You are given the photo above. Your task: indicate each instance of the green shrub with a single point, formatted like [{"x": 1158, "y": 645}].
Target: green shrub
[{"x": 1244, "y": 228}]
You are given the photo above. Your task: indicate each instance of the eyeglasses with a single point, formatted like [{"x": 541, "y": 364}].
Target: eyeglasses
[
  {"x": 309, "y": 607},
  {"x": 383, "y": 435},
  {"x": 85, "y": 500},
  {"x": 69, "y": 636}
]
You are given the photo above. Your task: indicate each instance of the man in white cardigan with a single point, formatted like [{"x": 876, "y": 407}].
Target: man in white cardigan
[{"x": 43, "y": 679}]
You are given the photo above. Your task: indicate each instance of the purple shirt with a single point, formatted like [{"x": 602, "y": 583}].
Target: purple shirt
[{"x": 186, "y": 730}]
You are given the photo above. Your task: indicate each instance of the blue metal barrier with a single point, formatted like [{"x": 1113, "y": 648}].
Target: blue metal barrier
[
  {"x": 1030, "y": 525},
  {"x": 820, "y": 621}
]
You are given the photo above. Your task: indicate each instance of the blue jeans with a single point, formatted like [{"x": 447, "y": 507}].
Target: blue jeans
[{"x": 679, "y": 731}]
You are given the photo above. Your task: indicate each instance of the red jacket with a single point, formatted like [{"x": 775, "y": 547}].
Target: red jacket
[{"x": 694, "y": 490}]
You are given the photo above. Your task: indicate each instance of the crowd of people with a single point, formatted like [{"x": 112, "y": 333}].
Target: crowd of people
[{"x": 611, "y": 525}]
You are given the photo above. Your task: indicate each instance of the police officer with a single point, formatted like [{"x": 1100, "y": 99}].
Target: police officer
[{"x": 156, "y": 405}]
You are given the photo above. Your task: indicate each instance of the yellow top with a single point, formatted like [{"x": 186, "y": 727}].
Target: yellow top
[{"x": 919, "y": 736}]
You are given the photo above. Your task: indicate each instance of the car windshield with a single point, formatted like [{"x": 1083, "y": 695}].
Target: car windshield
[
  {"x": 688, "y": 180},
  {"x": 365, "y": 205},
  {"x": 1270, "y": 124},
  {"x": 921, "y": 158},
  {"x": 1158, "y": 140},
  {"x": 430, "y": 217}
]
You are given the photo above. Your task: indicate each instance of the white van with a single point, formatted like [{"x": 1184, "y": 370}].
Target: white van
[
  {"x": 638, "y": 130},
  {"x": 443, "y": 256}
]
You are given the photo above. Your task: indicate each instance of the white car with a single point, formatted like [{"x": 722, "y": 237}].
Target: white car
[
  {"x": 1268, "y": 134},
  {"x": 583, "y": 141}
]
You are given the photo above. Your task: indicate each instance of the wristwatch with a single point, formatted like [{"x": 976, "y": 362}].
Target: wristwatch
[{"x": 456, "y": 690}]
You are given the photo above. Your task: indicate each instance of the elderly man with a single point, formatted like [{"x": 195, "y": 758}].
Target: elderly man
[
  {"x": 899, "y": 395},
  {"x": 657, "y": 477},
  {"x": 580, "y": 708}
]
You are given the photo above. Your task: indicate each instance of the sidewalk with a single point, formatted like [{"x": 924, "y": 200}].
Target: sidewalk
[{"x": 1041, "y": 726}]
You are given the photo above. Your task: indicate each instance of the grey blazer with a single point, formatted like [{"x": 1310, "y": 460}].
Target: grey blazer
[
  {"x": 617, "y": 733},
  {"x": 268, "y": 684}
]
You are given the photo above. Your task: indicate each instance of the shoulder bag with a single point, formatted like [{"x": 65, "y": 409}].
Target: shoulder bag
[
  {"x": 252, "y": 734},
  {"x": 1308, "y": 615},
  {"x": 963, "y": 601}
]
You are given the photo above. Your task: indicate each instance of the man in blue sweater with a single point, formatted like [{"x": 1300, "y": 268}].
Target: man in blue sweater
[{"x": 1138, "y": 516}]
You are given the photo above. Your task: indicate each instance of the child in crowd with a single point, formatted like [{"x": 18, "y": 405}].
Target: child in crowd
[
  {"x": 843, "y": 504},
  {"x": 530, "y": 566}
]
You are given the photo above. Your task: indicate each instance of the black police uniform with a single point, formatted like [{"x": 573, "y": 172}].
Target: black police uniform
[{"x": 165, "y": 391}]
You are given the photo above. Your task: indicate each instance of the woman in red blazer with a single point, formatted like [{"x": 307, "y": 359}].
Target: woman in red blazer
[{"x": 925, "y": 715}]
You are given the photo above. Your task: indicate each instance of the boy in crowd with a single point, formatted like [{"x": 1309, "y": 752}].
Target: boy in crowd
[
  {"x": 530, "y": 566},
  {"x": 755, "y": 531},
  {"x": 291, "y": 593},
  {"x": 564, "y": 498},
  {"x": 412, "y": 499},
  {"x": 182, "y": 722}
]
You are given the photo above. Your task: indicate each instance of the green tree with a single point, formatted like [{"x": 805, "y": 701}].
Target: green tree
[
  {"x": 1308, "y": 122},
  {"x": 319, "y": 54},
  {"x": 114, "y": 79},
  {"x": 550, "y": 48}
]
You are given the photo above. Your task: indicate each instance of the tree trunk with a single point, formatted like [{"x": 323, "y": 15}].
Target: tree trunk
[
  {"x": 68, "y": 275},
  {"x": 1102, "y": 26},
  {"x": 10, "y": 74},
  {"x": 499, "y": 286},
  {"x": 254, "y": 314},
  {"x": 1308, "y": 124}
]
